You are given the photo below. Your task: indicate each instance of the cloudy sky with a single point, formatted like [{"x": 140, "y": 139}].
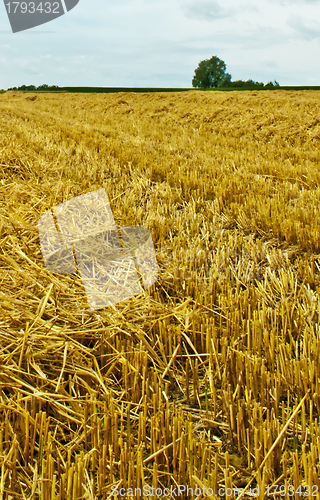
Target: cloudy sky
[{"x": 159, "y": 43}]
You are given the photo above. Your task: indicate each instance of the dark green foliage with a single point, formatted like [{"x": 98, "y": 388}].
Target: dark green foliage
[
  {"x": 97, "y": 89},
  {"x": 211, "y": 73},
  {"x": 248, "y": 83},
  {"x": 120, "y": 89},
  {"x": 44, "y": 86},
  {"x": 272, "y": 84},
  {"x": 236, "y": 85}
]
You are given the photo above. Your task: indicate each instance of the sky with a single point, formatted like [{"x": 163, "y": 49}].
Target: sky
[{"x": 159, "y": 43}]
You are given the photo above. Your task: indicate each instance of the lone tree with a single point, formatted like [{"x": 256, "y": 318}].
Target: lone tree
[{"x": 211, "y": 73}]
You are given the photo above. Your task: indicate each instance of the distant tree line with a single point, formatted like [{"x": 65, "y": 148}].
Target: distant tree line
[
  {"x": 44, "y": 86},
  {"x": 211, "y": 73},
  {"x": 251, "y": 83}
]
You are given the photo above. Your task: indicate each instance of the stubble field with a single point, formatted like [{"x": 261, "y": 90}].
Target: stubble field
[{"x": 210, "y": 378}]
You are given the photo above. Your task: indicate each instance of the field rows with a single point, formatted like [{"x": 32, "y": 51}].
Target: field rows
[{"x": 211, "y": 377}]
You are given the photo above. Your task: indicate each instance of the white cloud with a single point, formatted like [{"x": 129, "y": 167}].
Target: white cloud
[
  {"x": 160, "y": 43},
  {"x": 206, "y": 10},
  {"x": 305, "y": 29},
  {"x": 211, "y": 10}
]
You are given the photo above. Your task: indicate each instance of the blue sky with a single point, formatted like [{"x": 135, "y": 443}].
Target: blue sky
[{"x": 159, "y": 43}]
